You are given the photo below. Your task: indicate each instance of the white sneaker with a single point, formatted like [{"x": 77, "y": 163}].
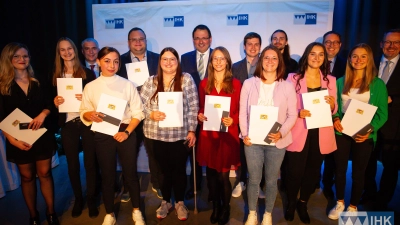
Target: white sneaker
[
  {"x": 252, "y": 218},
  {"x": 138, "y": 218},
  {"x": 181, "y": 211},
  {"x": 125, "y": 197},
  {"x": 351, "y": 209},
  {"x": 163, "y": 210},
  {"x": 267, "y": 219},
  {"x": 109, "y": 220},
  {"x": 335, "y": 211},
  {"x": 261, "y": 194},
  {"x": 238, "y": 190}
]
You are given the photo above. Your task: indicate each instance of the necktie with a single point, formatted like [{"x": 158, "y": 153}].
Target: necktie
[
  {"x": 330, "y": 66},
  {"x": 92, "y": 67},
  {"x": 385, "y": 73},
  {"x": 200, "y": 67}
]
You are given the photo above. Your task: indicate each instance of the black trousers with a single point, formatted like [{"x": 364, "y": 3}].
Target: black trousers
[
  {"x": 329, "y": 171},
  {"x": 303, "y": 168},
  {"x": 171, "y": 158},
  {"x": 71, "y": 134},
  {"x": 360, "y": 156},
  {"x": 107, "y": 148}
]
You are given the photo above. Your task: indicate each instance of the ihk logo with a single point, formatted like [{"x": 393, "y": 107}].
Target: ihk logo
[
  {"x": 237, "y": 20},
  {"x": 307, "y": 19},
  {"x": 366, "y": 218},
  {"x": 174, "y": 21},
  {"x": 117, "y": 23}
]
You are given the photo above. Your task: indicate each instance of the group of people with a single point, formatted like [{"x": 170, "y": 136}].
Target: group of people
[{"x": 263, "y": 78}]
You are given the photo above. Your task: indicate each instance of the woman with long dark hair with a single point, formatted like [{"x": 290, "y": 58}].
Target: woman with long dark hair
[
  {"x": 19, "y": 89},
  {"x": 67, "y": 65},
  {"x": 304, "y": 156}
]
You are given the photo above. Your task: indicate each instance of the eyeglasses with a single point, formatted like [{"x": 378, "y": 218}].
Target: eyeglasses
[
  {"x": 20, "y": 57},
  {"x": 201, "y": 39},
  {"x": 389, "y": 43},
  {"x": 216, "y": 59},
  {"x": 334, "y": 43},
  {"x": 137, "y": 39},
  {"x": 171, "y": 60}
]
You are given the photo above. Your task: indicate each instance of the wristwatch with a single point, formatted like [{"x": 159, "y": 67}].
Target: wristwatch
[{"x": 127, "y": 132}]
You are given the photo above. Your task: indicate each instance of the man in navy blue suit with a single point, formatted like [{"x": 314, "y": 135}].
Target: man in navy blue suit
[{"x": 196, "y": 63}]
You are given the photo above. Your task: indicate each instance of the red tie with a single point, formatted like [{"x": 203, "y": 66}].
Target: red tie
[{"x": 92, "y": 67}]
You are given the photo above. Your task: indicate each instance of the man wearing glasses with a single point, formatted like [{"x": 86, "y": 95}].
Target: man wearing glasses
[
  {"x": 332, "y": 42},
  {"x": 196, "y": 63}
]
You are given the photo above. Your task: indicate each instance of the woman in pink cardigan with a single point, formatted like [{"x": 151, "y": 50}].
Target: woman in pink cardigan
[{"x": 304, "y": 156}]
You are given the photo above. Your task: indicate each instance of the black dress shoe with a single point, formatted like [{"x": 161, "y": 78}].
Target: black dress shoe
[
  {"x": 289, "y": 213},
  {"x": 93, "y": 211},
  {"x": 77, "y": 209},
  {"x": 35, "y": 220},
  {"x": 52, "y": 219},
  {"x": 216, "y": 212},
  {"x": 302, "y": 212},
  {"x": 224, "y": 216}
]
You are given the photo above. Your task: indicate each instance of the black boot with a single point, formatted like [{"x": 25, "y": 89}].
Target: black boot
[
  {"x": 216, "y": 212},
  {"x": 93, "y": 211},
  {"x": 77, "y": 209},
  {"x": 52, "y": 219},
  {"x": 225, "y": 214},
  {"x": 302, "y": 212},
  {"x": 35, "y": 220},
  {"x": 289, "y": 213}
]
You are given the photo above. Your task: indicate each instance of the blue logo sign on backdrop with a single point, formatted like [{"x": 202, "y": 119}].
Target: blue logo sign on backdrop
[
  {"x": 305, "y": 19},
  {"x": 117, "y": 23},
  {"x": 174, "y": 21},
  {"x": 366, "y": 218},
  {"x": 237, "y": 20}
]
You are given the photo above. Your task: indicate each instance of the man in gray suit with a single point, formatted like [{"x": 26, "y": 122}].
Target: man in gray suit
[{"x": 242, "y": 70}]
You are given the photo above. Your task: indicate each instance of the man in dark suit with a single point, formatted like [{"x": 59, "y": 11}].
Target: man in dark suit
[
  {"x": 332, "y": 42},
  {"x": 388, "y": 144},
  {"x": 90, "y": 49},
  {"x": 138, "y": 52},
  {"x": 242, "y": 70},
  {"x": 279, "y": 39},
  {"x": 196, "y": 63}
]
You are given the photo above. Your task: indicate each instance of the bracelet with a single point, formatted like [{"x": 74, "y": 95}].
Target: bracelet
[{"x": 191, "y": 131}]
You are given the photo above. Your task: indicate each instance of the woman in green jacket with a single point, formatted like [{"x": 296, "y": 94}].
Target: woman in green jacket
[{"x": 361, "y": 83}]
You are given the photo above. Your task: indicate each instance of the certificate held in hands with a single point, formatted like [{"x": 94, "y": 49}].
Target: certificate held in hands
[
  {"x": 113, "y": 108},
  {"x": 138, "y": 72},
  {"x": 262, "y": 120},
  {"x": 357, "y": 118},
  {"x": 15, "y": 125},
  {"x": 67, "y": 88},
  {"x": 214, "y": 108},
  {"x": 171, "y": 103},
  {"x": 321, "y": 115}
]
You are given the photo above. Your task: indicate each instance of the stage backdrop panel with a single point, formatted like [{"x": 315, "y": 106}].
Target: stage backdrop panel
[{"x": 170, "y": 24}]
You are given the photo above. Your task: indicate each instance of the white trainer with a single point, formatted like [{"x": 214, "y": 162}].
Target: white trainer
[
  {"x": 237, "y": 192},
  {"x": 351, "y": 209},
  {"x": 181, "y": 211},
  {"x": 261, "y": 193},
  {"x": 109, "y": 220},
  {"x": 335, "y": 211},
  {"x": 138, "y": 218},
  {"x": 252, "y": 218},
  {"x": 163, "y": 210},
  {"x": 267, "y": 219}
]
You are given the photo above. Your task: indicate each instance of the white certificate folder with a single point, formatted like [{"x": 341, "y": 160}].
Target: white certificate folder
[
  {"x": 67, "y": 88},
  {"x": 214, "y": 108},
  {"x": 138, "y": 72},
  {"x": 321, "y": 115},
  {"x": 14, "y": 125},
  {"x": 358, "y": 115},
  {"x": 171, "y": 103},
  {"x": 113, "y": 108},
  {"x": 262, "y": 119}
]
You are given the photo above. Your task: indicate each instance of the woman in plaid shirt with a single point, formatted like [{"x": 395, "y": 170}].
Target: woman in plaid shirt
[{"x": 169, "y": 150}]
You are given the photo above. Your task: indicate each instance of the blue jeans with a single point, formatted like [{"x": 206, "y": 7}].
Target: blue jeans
[{"x": 271, "y": 157}]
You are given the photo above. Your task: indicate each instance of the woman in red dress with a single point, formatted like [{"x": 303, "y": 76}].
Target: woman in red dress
[{"x": 218, "y": 151}]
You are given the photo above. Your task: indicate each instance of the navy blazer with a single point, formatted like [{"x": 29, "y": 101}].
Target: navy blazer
[
  {"x": 152, "y": 63},
  {"x": 390, "y": 131},
  {"x": 189, "y": 65},
  {"x": 339, "y": 68},
  {"x": 239, "y": 70}
]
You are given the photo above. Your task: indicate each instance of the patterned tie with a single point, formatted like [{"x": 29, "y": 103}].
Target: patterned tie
[
  {"x": 200, "y": 67},
  {"x": 92, "y": 67},
  {"x": 385, "y": 73}
]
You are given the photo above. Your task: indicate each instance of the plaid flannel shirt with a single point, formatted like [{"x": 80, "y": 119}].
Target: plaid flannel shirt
[{"x": 190, "y": 110}]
